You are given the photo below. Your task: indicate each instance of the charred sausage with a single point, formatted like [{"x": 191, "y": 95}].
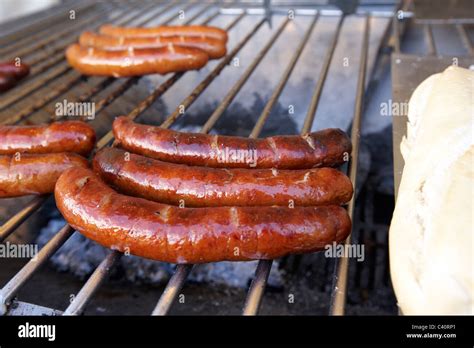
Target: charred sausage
[
  {"x": 135, "y": 62},
  {"x": 165, "y": 30},
  {"x": 24, "y": 174},
  {"x": 193, "y": 186},
  {"x": 329, "y": 147},
  {"x": 7, "y": 82},
  {"x": 214, "y": 48},
  {"x": 69, "y": 136},
  {"x": 193, "y": 235}
]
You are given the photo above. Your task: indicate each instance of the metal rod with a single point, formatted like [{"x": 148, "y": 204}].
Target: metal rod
[
  {"x": 257, "y": 287},
  {"x": 396, "y": 34},
  {"x": 283, "y": 80},
  {"x": 11, "y": 288},
  {"x": 189, "y": 100},
  {"x": 465, "y": 39},
  {"x": 8, "y": 227},
  {"x": 313, "y": 104},
  {"x": 243, "y": 79},
  {"x": 172, "y": 289},
  {"x": 22, "y": 49},
  {"x": 338, "y": 296},
  {"x": 97, "y": 278},
  {"x": 13, "y": 39},
  {"x": 429, "y": 39}
]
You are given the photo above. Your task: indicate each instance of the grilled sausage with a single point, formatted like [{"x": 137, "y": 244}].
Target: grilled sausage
[
  {"x": 7, "y": 82},
  {"x": 165, "y": 30},
  {"x": 214, "y": 48},
  {"x": 69, "y": 136},
  {"x": 193, "y": 235},
  {"x": 170, "y": 183},
  {"x": 16, "y": 71},
  {"x": 328, "y": 147},
  {"x": 24, "y": 174},
  {"x": 135, "y": 62}
]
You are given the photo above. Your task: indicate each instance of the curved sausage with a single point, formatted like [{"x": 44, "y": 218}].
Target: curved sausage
[
  {"x": 24, "y": 174},
  {"x": 329, "y": 147},
  {"x": 135, "y": 62},
  {"x": 193, "y": 235},
  {"x": 16, "y": 71},
  {"x": 68, "y": 136},
  {"x": 7, "y": 82},
  {"x": 166, "y": 30},
  {"x": 214, "y": 48},
  {"x": 176, "y": 184}
]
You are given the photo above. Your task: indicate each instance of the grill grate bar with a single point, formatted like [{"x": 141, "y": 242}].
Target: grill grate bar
[
  {"x": 242, "y": 80},
  {"x": 339, "y": 289},
  {"x": 465, "y": 38},
  {"x": 11, "y": 288},
  {"x": 36, "y": 44},
  {"x": 101, "y": 273},
  {"x": 429, "y": 39},
  {"x": 172, "y": 289},
  {"x": 257, "y": 287},
  {"x": 16, "y": 38},
  {"x": 16, "y": 220}
]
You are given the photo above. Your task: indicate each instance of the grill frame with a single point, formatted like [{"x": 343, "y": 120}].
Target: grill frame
[{"x": 177, "y": 280}]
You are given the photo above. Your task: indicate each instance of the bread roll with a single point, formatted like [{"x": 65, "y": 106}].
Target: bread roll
[{"x": 431, "y": 234}]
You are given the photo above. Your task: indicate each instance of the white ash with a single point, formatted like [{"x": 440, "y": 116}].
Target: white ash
[{"x": 80, "y": 256}]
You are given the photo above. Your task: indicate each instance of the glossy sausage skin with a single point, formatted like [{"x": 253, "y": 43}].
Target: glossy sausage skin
[
  {"x": 12, "y": 69},
  {"x": 193, "y": 235},
  {"x": 329, "y": 147},
  {"x": 176, "y": 184},
  {"x": 24, "y": 174},
  {"x": 68, "y": 136},
  {"x": 165, "y": 30},
  {"x": 214, "y": 48},
  {"x": 135, "y": 62},
  {"x": 7, "y": 82}
]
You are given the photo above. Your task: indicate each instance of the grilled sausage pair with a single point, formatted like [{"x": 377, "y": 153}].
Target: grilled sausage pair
[
  {"x": 127, "y": 51},
  {"x": 33, "y": 157}
]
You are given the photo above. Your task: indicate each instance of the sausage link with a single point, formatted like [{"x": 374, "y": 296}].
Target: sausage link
[
  {"x": 193, "y": 235},
  {"x": 24, "y": 174},
  {"x": 7, "y": 82},
  {"x": 214, "y": 48},
  {"x": 176, "y": 184},
  {"x": 135, "y": 62},
  {"x": 68, "y": 136},
  {"x": 16, "y": 71},
  {"x": 165, "y": 30},
  {"x": 328, "y": 147}
]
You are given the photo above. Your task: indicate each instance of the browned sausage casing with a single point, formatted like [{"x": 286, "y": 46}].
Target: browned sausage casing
[
  {"x": 165, "y": 30},
  {"x": 68, "y": 136},
  {"x": 7, "y": 82},
  {"x": 135, "y": 62},
  {"x": 12, "y": 69},
  {"x": 176, "y": 184},
  {"x": 193, "y": 235},
  {"x": 329, "y": 147},
  {"x": 34, "y": 174},
  {"x": 214, "y": 48}
]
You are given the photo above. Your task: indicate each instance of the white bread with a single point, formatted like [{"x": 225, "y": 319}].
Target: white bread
[{"x": 431, "y": 234}]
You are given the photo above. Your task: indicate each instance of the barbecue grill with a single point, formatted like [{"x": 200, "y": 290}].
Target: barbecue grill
[{"x": 51, "y": 80}]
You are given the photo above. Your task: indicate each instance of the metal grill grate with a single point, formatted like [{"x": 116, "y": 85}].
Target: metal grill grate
[{"x": 46, "y": 71}]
